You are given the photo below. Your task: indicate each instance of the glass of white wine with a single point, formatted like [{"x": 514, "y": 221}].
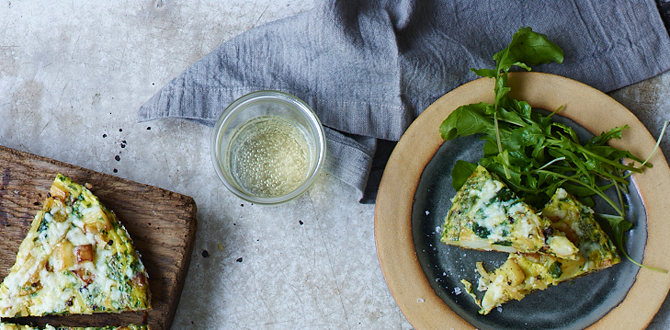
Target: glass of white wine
[{"x": 268, "y": 147}]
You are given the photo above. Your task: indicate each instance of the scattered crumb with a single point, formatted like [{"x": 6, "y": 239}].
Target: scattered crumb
[
  {"x": 104, "y": 136},
  {"x": 149, "y": 128},
  {"x": 205, "y": 254},
  {"x": 117, "y": 157},
  {"x": 239, "y": 259},
  {"x": 300, "y": 221},
  {"x": 115, "y": 171},
  {"x": 220, "y": 247}
]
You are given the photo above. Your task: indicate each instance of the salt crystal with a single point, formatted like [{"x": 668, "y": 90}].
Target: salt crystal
[
  {"x": 499, "y": 309},
  {"x": 457, "y": 290},
  {"x": 419, "y": 300},
  {"x": 427, "y": 212}
]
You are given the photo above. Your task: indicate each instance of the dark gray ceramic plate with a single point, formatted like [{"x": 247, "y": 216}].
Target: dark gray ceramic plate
[
  {"x": 570, "y": 305},
  {"x": 424, "y": 275}
]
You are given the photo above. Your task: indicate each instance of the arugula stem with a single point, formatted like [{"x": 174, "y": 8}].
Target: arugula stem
[
  {"x": 500, "y": 148},
  {"x": 619, "y": 242},
  {"x": 555, "y": 111},
  {"x": 631, "y": 168},
  {"x": 614, "y": 178},
  {"x": 596, "y": 191},
  {"x": 621, "y": 203},
  {"x": 595, "y": 156},
  {"x": 551, "y": 162},
  {"x": 623, "y": 251},
  {"x": 608, "y": 161},
  {"x": 658, "y": 142}
]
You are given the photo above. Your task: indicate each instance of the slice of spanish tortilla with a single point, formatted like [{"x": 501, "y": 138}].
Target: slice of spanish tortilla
[{"x": 77, "y": 258}]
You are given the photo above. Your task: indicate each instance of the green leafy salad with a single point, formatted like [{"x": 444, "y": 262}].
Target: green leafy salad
[{"x": 535, "y": 155}]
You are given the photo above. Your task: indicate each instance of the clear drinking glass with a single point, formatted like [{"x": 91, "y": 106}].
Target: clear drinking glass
[{"x": 268, "y": 147}]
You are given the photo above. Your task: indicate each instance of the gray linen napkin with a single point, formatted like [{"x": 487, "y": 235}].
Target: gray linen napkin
[{"x": 368, "y": 68}]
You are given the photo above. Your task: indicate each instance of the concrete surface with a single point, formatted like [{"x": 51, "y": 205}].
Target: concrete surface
[{"x": 72, "y": 76}]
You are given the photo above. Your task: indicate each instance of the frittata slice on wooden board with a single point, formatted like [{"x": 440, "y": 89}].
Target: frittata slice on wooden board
[
  {"x": 486, "y": 215},
  {"x": 522, "y": 274},
  {"x": 9, "y": 326},
  {"x": 76, "y": 259}
]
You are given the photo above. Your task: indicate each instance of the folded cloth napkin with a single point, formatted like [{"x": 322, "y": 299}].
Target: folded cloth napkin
[{"x": 368, "y": 68}]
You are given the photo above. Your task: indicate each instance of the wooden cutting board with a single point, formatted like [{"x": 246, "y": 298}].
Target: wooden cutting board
[{"x": 161, "y": 223}]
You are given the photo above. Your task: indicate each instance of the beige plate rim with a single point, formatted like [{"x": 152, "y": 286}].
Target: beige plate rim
[{"x": 589, "y": 107}]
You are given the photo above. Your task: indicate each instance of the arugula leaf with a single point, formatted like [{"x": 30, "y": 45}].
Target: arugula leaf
[
  {"x": 528, "y": 49},
  {"x": 602, "y": 139},
  {"x": 461, "y": 172},
  {"x": 467, "y": 120}
]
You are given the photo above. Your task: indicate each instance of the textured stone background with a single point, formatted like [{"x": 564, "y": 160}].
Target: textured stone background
[{"x": 72, "y": 76}]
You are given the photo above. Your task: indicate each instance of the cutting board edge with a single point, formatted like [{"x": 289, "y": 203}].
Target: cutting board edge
[{"x": 193, "y": 228}]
